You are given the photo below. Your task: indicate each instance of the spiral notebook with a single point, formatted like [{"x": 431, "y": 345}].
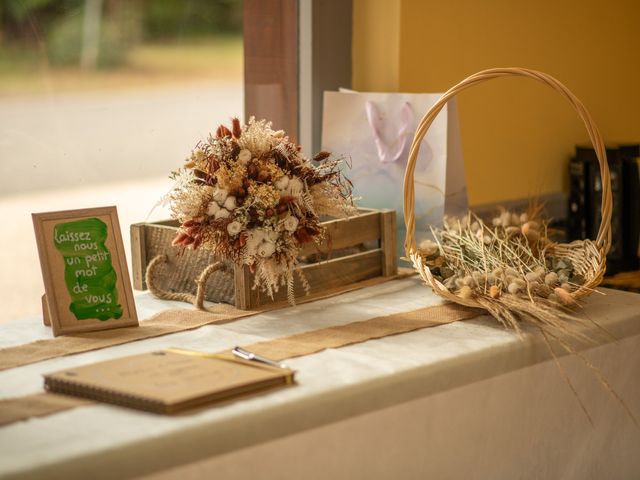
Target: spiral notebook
[{"x": 167, "y": 381}]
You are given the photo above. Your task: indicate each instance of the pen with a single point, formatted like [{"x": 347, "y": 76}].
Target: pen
[{"x": 246, "y": 355}]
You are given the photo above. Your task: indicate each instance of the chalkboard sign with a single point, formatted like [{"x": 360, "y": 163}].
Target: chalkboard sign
[{"x": 84, "y": 270}]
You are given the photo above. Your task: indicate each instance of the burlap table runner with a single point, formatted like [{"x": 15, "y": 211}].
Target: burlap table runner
[
  {"x": 42, "y": 404},
  {"x": 163, "y": 323}
]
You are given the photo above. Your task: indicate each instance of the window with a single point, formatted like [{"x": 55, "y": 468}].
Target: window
[{"x": 99, "y": 101}]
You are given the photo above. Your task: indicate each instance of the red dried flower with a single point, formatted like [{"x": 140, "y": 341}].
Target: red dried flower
[
  {"x": 237, "y": 129},
  {"x": 223, "y": 132}
]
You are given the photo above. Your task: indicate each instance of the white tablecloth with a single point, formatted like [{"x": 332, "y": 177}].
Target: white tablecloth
[{"x": 467, "y": 399}]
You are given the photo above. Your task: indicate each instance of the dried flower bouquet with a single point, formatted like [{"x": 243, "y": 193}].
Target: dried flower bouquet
[{"x": 250, "y": 196}]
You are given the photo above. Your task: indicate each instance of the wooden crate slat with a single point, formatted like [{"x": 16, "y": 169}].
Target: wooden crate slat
[
  {"x": 345, "y": 233},
  {"x": 330, "y": 274}
]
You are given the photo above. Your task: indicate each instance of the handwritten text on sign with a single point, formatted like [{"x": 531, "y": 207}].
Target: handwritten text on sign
[{"x": 88, "y": 272}]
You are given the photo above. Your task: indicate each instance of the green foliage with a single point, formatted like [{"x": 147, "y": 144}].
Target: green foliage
[
  {"x": 191, "y": 18},
  {"x": 19, "y": 10},
  {"x": 64, "y": 43},
  {"x": 25, "y": 25}
]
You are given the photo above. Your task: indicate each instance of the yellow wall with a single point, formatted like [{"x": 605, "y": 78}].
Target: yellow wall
[
  {"x": 376, "y": 45},
  {"x": 517, "y": 134}
]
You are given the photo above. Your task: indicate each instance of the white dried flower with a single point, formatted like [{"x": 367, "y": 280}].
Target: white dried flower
[
  {"x": 234, "y": 228},
  {"x": 230, "y": 203},
  {"x": 266, "y": 249},
  {"x": 278, "y": 133},
  {"x": 290, "y": 223},
  {"x": 524, "y": 218},
  {"x": 428, "y": 247},
  {"x": 254, "y": 239},
  {"x": 220, "y": 195},
  {"x": 295, "y": 187},
  {"x": 212, "y": 208},
  {"x": 244, "y": 156},
  {"x": 513, "y": 288},
  {"x": 270, "y": 236},
  {"x": 281, "y": 183},
  {"x": 551, "y": 279},
  {"x": 222, "y": 213},
  {"x": 532, "y": 276},
  {"x": 465, "y": 292}
]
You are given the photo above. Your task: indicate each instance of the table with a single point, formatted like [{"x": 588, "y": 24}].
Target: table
[{"x": 464, "y": 400}]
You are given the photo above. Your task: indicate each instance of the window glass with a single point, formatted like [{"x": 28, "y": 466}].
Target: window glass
[{"x": 99, "y": 101}]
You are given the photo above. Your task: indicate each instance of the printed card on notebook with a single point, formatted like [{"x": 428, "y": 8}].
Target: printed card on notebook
[{"x": 167, "y": 381}]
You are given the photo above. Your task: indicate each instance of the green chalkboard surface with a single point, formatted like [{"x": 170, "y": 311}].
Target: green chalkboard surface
[
  {"x": 88, "y": 272},
  {"x": 84, "y": 269}
]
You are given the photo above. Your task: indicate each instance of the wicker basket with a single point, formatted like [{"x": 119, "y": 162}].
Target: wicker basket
[{"x": 588, "y": 257}]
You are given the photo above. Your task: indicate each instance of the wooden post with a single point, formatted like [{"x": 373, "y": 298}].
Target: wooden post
[
  {"x": 271, "y": 62},
  {"x": 388, "y": 243},
  {"x": 243, "y": 283},
  {"x": 46, "y": 314},
  {"x": 138, "y": 255}
]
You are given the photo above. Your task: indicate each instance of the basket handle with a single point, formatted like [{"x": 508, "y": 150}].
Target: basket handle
[{"x": 603, "y": 240}]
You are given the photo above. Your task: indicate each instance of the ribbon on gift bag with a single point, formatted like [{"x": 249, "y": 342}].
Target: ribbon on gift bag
[{"x": 375, "y": 130}]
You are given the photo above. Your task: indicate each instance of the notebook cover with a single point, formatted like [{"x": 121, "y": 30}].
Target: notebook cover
[{"x": 166, "y": 381}]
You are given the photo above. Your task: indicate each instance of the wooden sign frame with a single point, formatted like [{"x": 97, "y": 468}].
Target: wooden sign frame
[{"x": 84, "y": 268}]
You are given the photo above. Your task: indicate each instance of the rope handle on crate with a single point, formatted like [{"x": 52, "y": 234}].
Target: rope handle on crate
[
  {"x": 201, "y": 281},
  {"x": 603, "y": 240}
]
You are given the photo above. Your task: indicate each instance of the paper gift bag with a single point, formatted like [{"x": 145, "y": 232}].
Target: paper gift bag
[{"x": 375, "y": 130}]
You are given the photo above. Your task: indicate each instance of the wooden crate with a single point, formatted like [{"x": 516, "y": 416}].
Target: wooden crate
[{"x": 355, "y": 249}]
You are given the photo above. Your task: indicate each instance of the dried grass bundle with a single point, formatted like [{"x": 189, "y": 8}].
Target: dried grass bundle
[{"x": 509, "y": 268}]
